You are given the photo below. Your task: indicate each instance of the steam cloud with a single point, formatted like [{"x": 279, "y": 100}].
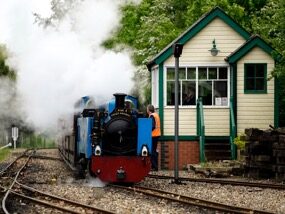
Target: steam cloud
[{"x": 58, "y": 65}]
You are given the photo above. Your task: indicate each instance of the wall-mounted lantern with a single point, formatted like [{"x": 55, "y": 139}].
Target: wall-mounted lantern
[{"x": 214, "y": 51}]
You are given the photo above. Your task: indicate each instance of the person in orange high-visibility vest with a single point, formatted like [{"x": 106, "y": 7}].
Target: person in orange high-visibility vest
[{"x": 155, "y": 135}]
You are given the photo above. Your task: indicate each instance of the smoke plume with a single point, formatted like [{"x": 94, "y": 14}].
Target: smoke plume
[{"x": 62, "y": 61}]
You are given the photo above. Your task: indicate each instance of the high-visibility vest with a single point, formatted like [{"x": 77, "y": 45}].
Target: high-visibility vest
[{"x": 156, "y": 131}]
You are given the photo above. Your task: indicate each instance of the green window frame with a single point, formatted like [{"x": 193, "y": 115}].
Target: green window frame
[{"x": 255, "y": 78}]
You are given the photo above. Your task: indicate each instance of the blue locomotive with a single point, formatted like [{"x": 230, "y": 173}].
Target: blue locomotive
[{"x": 112, "y": 142}]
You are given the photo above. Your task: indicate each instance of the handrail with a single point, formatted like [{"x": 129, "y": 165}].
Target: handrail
[
  {"x": 232, "y": 130},
  {"x": 201, "y": 128}
]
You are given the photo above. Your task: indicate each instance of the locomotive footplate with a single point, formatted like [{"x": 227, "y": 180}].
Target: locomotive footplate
[{"x": 120, "y": 168}]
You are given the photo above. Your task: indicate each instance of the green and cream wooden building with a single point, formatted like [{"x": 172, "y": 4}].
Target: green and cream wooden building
[{"x": 231, "y": 90}]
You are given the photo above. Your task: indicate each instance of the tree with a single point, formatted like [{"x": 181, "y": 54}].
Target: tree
[
  {"x": 269, "y": 22},
  {"x": 5, "y": 70}
]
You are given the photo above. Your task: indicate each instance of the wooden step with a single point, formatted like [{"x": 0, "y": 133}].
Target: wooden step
[
  {"x": 217, "y": 146},
  {"x": 218, "y": 154},
  {"x": 217, "y": 150}
]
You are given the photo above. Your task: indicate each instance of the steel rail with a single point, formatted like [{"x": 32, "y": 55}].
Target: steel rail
[
  {"x": 11, "y": 191},
  {"x": 45, "y": 203},
  {"x": 207, "y": 203},
  {"x": 225, "y": 182},
  {"x": 3, "y": 188},
  {"x": 13, "y": 162},
  {"x": 66, "y": 161},
  {"x": 44, "y": 148},
  {"x": 191, "y": 200},
  {"x": 47, "y": 157},
  {"x": 85, "y": 206},
  {"x": 14, "y": 181}
]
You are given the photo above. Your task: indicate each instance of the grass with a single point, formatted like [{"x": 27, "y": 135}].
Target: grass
[
  {"x": 28, "y": 141},
  {"x": 4, "y": 153},
  {"x": 34, "y": 141}
]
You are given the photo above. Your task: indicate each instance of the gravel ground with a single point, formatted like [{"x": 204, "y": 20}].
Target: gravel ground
[
  {"x": 54, "y": 177},
  {"x": 117, "y": 201},
  {"x": 256, "y": 198}
]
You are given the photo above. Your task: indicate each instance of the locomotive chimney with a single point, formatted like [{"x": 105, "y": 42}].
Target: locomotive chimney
[{"x": 120, "y": 100}]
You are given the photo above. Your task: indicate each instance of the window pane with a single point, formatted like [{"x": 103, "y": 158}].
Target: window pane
[
  {"x": 223, "y": 73},
  {"x": 205, "y": 91},
  {"x": 182, "y": 73},
  {"x": 255, "y": 77},
  {"x": 202, "y": 73},
  {"x": 213, "y": 73},
  {"x": 259, "y": 82},
  {"x": 189, "y": 93},
  {"x": 220, "y": 93},
  {"x": 249, "y": 84},
  {"x": 250, "y": 71},
  {"x": 170, "y": 73},
  {"x": 260, "y": 70},
  {"x": 220, "y": 88},
  {"x": 171, "y": 93},
  {"x": 191, "y": 73}
]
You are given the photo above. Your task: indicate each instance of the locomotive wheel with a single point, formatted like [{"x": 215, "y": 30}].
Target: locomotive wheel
[
  {"x": 89, "y": 169},
  {"x": 80, "y": 172},
  {"x": 81, "y": 169}
]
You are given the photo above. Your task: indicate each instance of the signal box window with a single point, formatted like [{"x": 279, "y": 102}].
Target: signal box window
[
  {"x": 209, "y": 83},
  {"x": 255, "y": 78}
]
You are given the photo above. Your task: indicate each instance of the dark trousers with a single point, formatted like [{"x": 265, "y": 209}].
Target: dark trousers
[{"x": 154, "y": 155}]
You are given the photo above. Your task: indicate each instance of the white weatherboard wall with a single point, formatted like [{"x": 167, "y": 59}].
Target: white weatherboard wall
[
  {"x": 254, "y": 110},
  {"x": 187, "y": 121},
  {"x": 196, "y": 50},
  {"x": 216, "y": 121},
  {"x": 196, "y": 53}
]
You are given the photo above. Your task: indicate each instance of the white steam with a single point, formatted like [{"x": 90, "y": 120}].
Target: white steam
[{"x": 58, "y": 65}]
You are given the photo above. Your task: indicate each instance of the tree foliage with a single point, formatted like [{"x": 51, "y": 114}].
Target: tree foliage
[
  {"x": 59, "y": 10},
  {"x": 151, "y": 25},
  {"x": 269, "y": 22},
  {"x": 5, "y": 70}
]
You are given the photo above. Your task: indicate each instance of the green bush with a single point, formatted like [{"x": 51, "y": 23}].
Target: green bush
[{"x": 239, "y": 142}]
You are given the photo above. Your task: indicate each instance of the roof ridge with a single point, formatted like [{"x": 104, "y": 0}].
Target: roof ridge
[
  {"x": 196, "y": 27},
  {"x": 247, "y": 46}
]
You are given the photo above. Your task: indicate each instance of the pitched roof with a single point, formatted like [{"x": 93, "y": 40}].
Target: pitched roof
[
  {"x": 252, "y": 42},
  {"x": 196, "y": 28}
]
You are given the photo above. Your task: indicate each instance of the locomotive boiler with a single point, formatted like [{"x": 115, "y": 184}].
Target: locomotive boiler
[{"x": 112, "y": 142}]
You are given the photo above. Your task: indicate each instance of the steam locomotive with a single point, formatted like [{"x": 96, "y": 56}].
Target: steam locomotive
[{"x": 112, "y": 142}]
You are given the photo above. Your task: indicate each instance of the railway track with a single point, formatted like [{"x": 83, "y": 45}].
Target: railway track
[
  {"x": 222, "y": 181},
  {"x": 36, "y": 196},
  {"x": 46, "y": 157},
  {"x": 191, "y": 201},
  {"x": 14, "y": 179},
  {"x": 10, "y": 165},
  {"x": 11, "y": 188}
]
